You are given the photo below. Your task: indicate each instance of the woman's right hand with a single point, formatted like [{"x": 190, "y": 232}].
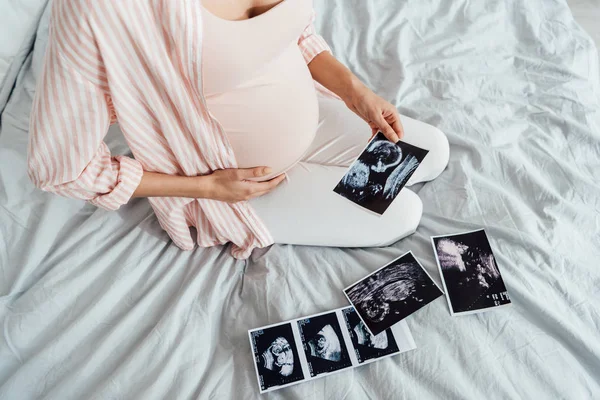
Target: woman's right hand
[{"x": 232, "y": 185}]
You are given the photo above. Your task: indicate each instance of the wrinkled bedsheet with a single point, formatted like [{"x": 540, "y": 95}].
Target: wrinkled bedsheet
[{"x": 95, "y": 304}]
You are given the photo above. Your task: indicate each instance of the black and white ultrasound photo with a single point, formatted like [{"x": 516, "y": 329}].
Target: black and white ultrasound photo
[
  {"x": 375, "y": 179},
  {"x": 276, "y": 356},
  {"x": 323, "y": 344},
  {"x": 392, "y": 293},
  {"x": 469, "y": 272},
  {"x": 366, "y": 345}
]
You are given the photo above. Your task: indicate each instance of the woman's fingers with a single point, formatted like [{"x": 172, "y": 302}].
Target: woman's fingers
[
  {"x": 397, "y": 127},
  {"x": 259, "y": 188},
  {"x": 385, "y": 127},
  {"x": 245, "y": 173},
  {"x": 374, "y": 131}
]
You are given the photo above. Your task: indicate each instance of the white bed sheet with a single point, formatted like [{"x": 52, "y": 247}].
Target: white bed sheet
[{"x": 101, "y": 305}]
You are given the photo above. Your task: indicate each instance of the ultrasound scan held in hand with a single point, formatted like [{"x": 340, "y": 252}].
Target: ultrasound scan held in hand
[{"x": 375, "y": 179}]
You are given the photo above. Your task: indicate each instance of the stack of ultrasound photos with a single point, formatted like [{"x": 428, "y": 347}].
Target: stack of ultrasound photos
[
  {"x": 312, "y": 347},
  {"x": 375, "y": 326}
]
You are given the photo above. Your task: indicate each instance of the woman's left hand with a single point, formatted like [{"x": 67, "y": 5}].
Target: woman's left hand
[{"x": 377, "y": 112}]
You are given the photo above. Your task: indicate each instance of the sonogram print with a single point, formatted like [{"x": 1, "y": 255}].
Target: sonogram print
[
  {"x": 326, "y": 345},
  {"x": 276, "y": 356},
  {"x": 366, "y": 345},
  {"x": 392, "y": 293},
  {"x": 470, "y": 272},
  {"x": 279, "y": 357},
  {"x": 375, "y": 179},
  {"x": 323, "y": 344}
]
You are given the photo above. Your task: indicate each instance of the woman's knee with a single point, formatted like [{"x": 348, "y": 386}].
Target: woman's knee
[
  {"x": 439, "y": 151},
  {"x": 414, "y": 205},
  {"x": 404, "y": 216}
]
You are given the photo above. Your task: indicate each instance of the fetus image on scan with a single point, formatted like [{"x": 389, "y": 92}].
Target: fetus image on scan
[
  {"x": 276, "y": 356},
  {"x": 366, "y": 345},
  {"x": 326, "y": 344},
  {"x": 382, "y": 155},
  {"x": 470, "y": 271},
  {"x": 365, "y": 338},
  {"x": 279, "y": 357},
  {"x": 396, "y": 286},
  {"x": 380, "y": 172},
  {"x": 357, "y": 185},
  {"x": 323, "y": 344},
  {"x": 392, "y": 293}
]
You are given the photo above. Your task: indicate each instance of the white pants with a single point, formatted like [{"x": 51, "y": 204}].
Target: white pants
[{"x": 304, "y": 210}]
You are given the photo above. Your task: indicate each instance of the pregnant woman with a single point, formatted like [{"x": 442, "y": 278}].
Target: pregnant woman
[{"x": 239, "y": 119}]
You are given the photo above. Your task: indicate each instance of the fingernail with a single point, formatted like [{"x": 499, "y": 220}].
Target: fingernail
[{"x": 267, "y": 170}]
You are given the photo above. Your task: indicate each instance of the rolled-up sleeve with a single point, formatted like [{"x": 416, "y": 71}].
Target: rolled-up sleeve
[
  {"x": 67, "y": 154},
  {"x": 310, "y": 43}
]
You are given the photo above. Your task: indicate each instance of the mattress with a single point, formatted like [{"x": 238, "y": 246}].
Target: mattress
[{"x": 97, "y": 304}]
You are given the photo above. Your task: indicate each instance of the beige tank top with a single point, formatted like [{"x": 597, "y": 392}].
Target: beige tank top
[{"x": 257, "y": 85}]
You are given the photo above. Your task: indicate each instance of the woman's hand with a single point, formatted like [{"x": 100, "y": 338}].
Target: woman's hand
[
  {"x": 377, "y": 112},
  {"x": 228, "y": 185},
  {"x": 231, "y": 185}
]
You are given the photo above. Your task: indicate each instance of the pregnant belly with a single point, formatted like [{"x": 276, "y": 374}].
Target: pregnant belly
[{"x": 272, "y": 119}]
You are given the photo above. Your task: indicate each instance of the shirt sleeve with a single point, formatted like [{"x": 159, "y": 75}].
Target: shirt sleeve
[
  {"x": 310, "y": 43},
  {"x": 69, "y": 120}
]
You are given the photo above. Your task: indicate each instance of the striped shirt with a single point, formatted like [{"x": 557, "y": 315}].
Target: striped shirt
[{"x": 137, "y": 62}]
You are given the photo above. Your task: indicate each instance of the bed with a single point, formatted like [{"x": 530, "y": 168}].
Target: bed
[{"x": 97, "y": 304}]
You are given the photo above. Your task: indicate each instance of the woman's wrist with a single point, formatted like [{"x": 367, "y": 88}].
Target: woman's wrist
[
  {"x": 354, "y": 90},
  {"x": 155, "y": 184},
  {"x": 205, "y": 187}
]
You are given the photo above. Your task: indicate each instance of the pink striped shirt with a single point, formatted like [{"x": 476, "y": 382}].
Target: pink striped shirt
[{"x": 139, "y": 63}]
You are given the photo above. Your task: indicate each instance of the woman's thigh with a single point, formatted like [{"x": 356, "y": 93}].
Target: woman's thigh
[
  {"x": 304, "y": 210},
  {"x": 342, "y": 136}
]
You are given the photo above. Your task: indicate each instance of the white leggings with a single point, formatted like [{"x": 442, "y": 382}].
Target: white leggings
[{"x": 304, "y": 210}]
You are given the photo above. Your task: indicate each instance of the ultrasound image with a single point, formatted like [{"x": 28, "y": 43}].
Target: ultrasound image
[
  {"x": 323, "y": 344},
  {"x": 375, "y": 179},
  {"x": 367, "y": 346},
  {"x": 392, "y": 293},
  {"x": 470, "y": 272},
  {"x": 276, "y": 356}
]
